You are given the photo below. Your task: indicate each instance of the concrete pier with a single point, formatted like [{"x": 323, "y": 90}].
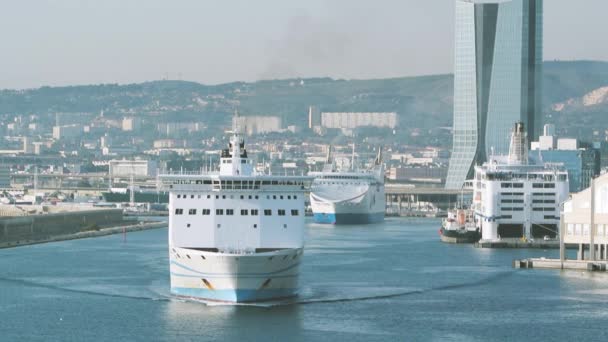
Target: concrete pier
[{"x": 581, "y": 265}]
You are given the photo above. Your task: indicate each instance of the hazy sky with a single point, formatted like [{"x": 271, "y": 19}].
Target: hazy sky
[{"x": 66, "y": 42}]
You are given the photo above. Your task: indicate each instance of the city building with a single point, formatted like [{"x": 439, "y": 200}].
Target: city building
[
  {"x": 422, "y": 174},
  {"x": 354, "y": 120},
  {"x": 5, "y": 177},
  {"x": 67, "y": 132},
  {"x": 251, "y": 125},
  {"x": 585, "y": 227},
  {"x": 497, "y": 79},
  {"x": 177, "y": 128},
  {"x": 581, "y": 161},
  {"x": 137, "y": 168},
  {"x": 131, "y": 124}
]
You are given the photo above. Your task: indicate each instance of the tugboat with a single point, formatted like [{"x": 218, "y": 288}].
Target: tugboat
[{"x": 459, "y": 227}]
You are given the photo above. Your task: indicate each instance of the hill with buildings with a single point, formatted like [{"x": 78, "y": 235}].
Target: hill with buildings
[{"x": 574, "y": 97}]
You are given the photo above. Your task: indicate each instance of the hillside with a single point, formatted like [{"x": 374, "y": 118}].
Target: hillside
[{"x": 422, "y": 102}]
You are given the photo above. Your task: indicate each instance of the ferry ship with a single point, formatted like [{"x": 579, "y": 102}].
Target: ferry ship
[
  {"x": 516, "y": 200},
  {"x": 235, "y": 235},
  {"x": 348, "y": 197}
]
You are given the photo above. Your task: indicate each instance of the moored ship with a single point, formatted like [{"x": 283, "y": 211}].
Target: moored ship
[
  {"x": 459, "y": 227},
  {"x": 234, "y": 235},
  {"x": 348, "y": 197}
]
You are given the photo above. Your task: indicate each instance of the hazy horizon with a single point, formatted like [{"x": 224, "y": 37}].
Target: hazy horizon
[{"x": 70, "y": 42}]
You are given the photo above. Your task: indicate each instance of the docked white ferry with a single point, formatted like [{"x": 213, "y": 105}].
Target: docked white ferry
[
  {"x": 514, "y": 199},
  {"x": 348, "y": 197},
  {"x": 235, "y": 235}
]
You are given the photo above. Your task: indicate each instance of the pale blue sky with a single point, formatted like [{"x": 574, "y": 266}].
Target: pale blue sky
[{"x": 66, "y": 42}]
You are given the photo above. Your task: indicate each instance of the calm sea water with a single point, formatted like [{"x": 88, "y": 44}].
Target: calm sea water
[{"x": 390, "y": 281}]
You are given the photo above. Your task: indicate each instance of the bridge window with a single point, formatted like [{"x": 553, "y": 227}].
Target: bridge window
[
  {"x": 179, "y": 211},
  {"x": 191, "y": 211},
  {"x": 294, "y": 212},
  {"x": 267, "y": 212}
]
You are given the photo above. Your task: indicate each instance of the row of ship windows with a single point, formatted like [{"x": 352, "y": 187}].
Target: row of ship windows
[
  {"x": 522, "y": 209},
  {"x": 549, "y": 201},
  {"x": 237, "y": 183},
  {"x": 242, "y": 196},
  {"x": 244, "y": 212},
  {"x": 533, "y": 194},
  {"x": 535, "y": 185}
]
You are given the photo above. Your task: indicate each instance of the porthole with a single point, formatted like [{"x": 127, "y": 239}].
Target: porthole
[
  {"x": 188, "y": 225},
  {"x": 219, "y": 226},
  {"x": 255, "y": 226}
]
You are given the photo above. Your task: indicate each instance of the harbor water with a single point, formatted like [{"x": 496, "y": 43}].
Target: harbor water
[{"x": 388, "y": 281}]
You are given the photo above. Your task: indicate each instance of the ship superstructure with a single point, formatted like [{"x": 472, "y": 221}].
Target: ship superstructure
[
  {"x": 235, "y": 235},
  {"x": 348, "y": 197},
  {"x": 513, "y": 199}
]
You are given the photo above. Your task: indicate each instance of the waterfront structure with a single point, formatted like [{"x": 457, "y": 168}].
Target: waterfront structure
[
  {"x": 353, "y": 120},
  {"x": 136, "y": 168},
  {"x": 348, "y": 197},
  {"x": 235, "y": 236},
  {"x": 251, "y": 125},
  {"x": 497, "y": 79},
  {"x": 514, "y": 199},
  {"x": 581, "y": 161},
  {"x": 585, "y": 220}
]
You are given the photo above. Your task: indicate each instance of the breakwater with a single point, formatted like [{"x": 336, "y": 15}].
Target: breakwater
[{"x": 46, "y": 227}]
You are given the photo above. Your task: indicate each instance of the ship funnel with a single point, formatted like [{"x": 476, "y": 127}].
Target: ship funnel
[{"x": 518, "y": 150}]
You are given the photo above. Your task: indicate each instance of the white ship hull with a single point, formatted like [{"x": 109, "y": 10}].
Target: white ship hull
[
  {"x": 234, "y": 277},
  {"x": 364, "y": 205}
]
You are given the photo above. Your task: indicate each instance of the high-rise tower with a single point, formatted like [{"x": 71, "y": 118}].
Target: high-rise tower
[{"x": 497, "y": 79}]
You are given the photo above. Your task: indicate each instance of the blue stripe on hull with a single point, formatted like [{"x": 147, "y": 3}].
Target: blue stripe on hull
[
  {"x": 236, "y": 296},
  {"x": 348, "y": 218}
]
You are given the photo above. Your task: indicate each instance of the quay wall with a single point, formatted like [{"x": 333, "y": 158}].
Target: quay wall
[{"x": 45, "y": 226}]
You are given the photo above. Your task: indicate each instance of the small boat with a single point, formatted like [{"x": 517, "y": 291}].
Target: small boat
[{"x": 459, "y": 227}]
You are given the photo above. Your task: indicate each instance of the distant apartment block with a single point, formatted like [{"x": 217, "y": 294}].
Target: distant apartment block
[
  {"x": 175, "y": 128},
  {"x": 130, "y": 124},
  {"x": 251, "y": 125},
  {"x": 67, "y": 132},
  {"x": 137, "y": 168},
  {"x": 350, "y": 120},
  {"x": 169, "y": 143}
]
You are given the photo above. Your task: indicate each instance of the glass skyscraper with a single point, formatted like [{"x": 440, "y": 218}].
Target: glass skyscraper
[{"x": 497, "y": 79}]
